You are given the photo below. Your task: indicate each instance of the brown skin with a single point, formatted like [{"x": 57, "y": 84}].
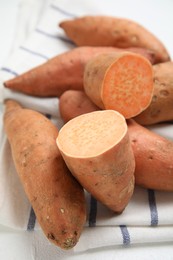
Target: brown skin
[
  {"x": 63, "y": 72},
  {"x": 73, "y": 103},
  {"x": 56, "y": 197},
  {"x": 161, "y": 106},
  {"x": 112, "y": 31},
  {"x": 119, "y": 81},
  {"x": 102, "y": 160},
  {"x": 153, "y": 156}
]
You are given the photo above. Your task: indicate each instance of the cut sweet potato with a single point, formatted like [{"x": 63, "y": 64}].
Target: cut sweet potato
[
  {"x": 122, "y": 82},
  {"x": 97, "y": 150}
]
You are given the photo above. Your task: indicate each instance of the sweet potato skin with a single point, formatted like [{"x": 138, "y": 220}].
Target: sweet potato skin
[
  {"x": 74, "y": 103},
  {"x": 112, "y": 31},
  {"x": 57, "y": 198},
  {"x": 153, "y": 156},
  {"x": 108, "y": 176},
  {"x": 63, "y": 72},
  {"x": 161, "y": 106}
]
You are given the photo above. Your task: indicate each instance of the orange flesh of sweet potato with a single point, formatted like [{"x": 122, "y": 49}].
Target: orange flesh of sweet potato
[
  {"x": 122, "y": 82},
  {"x": 161, "y": 106},
  {"x": 73, "y": 103},
  {"x": 57, "y": 198},
  {"x": 112, "y": 31},
  {"x": 153, "y": 156},
  {"x": 96, "y": 148},
  {"x": 63, "y": 72}
]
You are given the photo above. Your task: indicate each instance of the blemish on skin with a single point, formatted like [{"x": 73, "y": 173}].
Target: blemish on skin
[
  {"x": 163, "y": 84},
  {"x": 154, "y": 98},
  {"x": 24, "y": 164},
  {"x": 47, "y": 217},
  {"x": 134, "y": 38},
  {"x": 127, "y": 190},
  {"x": 24, "y": 161},
  {"x": 150, "y": 157},
  {"x": 134, "y": 140},
  {"x": 164, "y": 92},
  {"x": 71, "y": 61},
  {"x": 88, "y": 74},
  {"x": 75, "y": 233},
  {"x": 34, "y": 199},
  {"x": 155, "y": 113},
  {"x": 95, "y": 71},
  {"x": 69, "y": 243},
  {"x": 115, "y": 33},
  {"x": 51, "y": 236},
  {"x": 64, "y": 232},
  {"x": 62, "y": 210},
  {"x": 156, "y": 81},
  {"x": 40, "y": 208}
]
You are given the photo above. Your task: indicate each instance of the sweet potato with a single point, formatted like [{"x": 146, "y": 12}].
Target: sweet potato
[
  {"x": 73, "y": 103},
  {"x": 97, "y": 150},
  {"x": 153, "y": 156},
  {"x": 161, "y": 106},
  {"x": 57, "y": 198},
  {"x": 122, "y": 82},
  {"x": 63, "y": 72},
  {"x": 113, "y": 31}
]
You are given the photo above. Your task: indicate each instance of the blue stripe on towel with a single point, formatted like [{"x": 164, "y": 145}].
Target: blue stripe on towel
[
  {"x": 10, "y": 71},
  {"x": 125, "y": 234},
  {"x": 153, "y": 208},
  {"x": 93, "y": 212},
  {"x": 31, "y": 221},
  {"x": 34, "y": 52},
  {"x": 62, "y": 11},
  {"x": 54, "y": 36}
]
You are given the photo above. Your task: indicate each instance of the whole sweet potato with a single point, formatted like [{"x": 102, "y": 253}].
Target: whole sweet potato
[
  {"x": 153, "y": 157},
  {"x": 112, "y": 31},
  {"x": 57, "y": 198},
  {"x": 73, "y": 103},
  {"x": 63, "y": 72}
]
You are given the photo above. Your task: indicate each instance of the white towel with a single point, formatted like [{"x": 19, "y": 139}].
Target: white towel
[{"x": 148, "y": 218}]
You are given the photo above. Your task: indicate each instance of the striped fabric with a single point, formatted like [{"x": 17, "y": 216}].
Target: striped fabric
[{"x": 148, "y": 218}]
